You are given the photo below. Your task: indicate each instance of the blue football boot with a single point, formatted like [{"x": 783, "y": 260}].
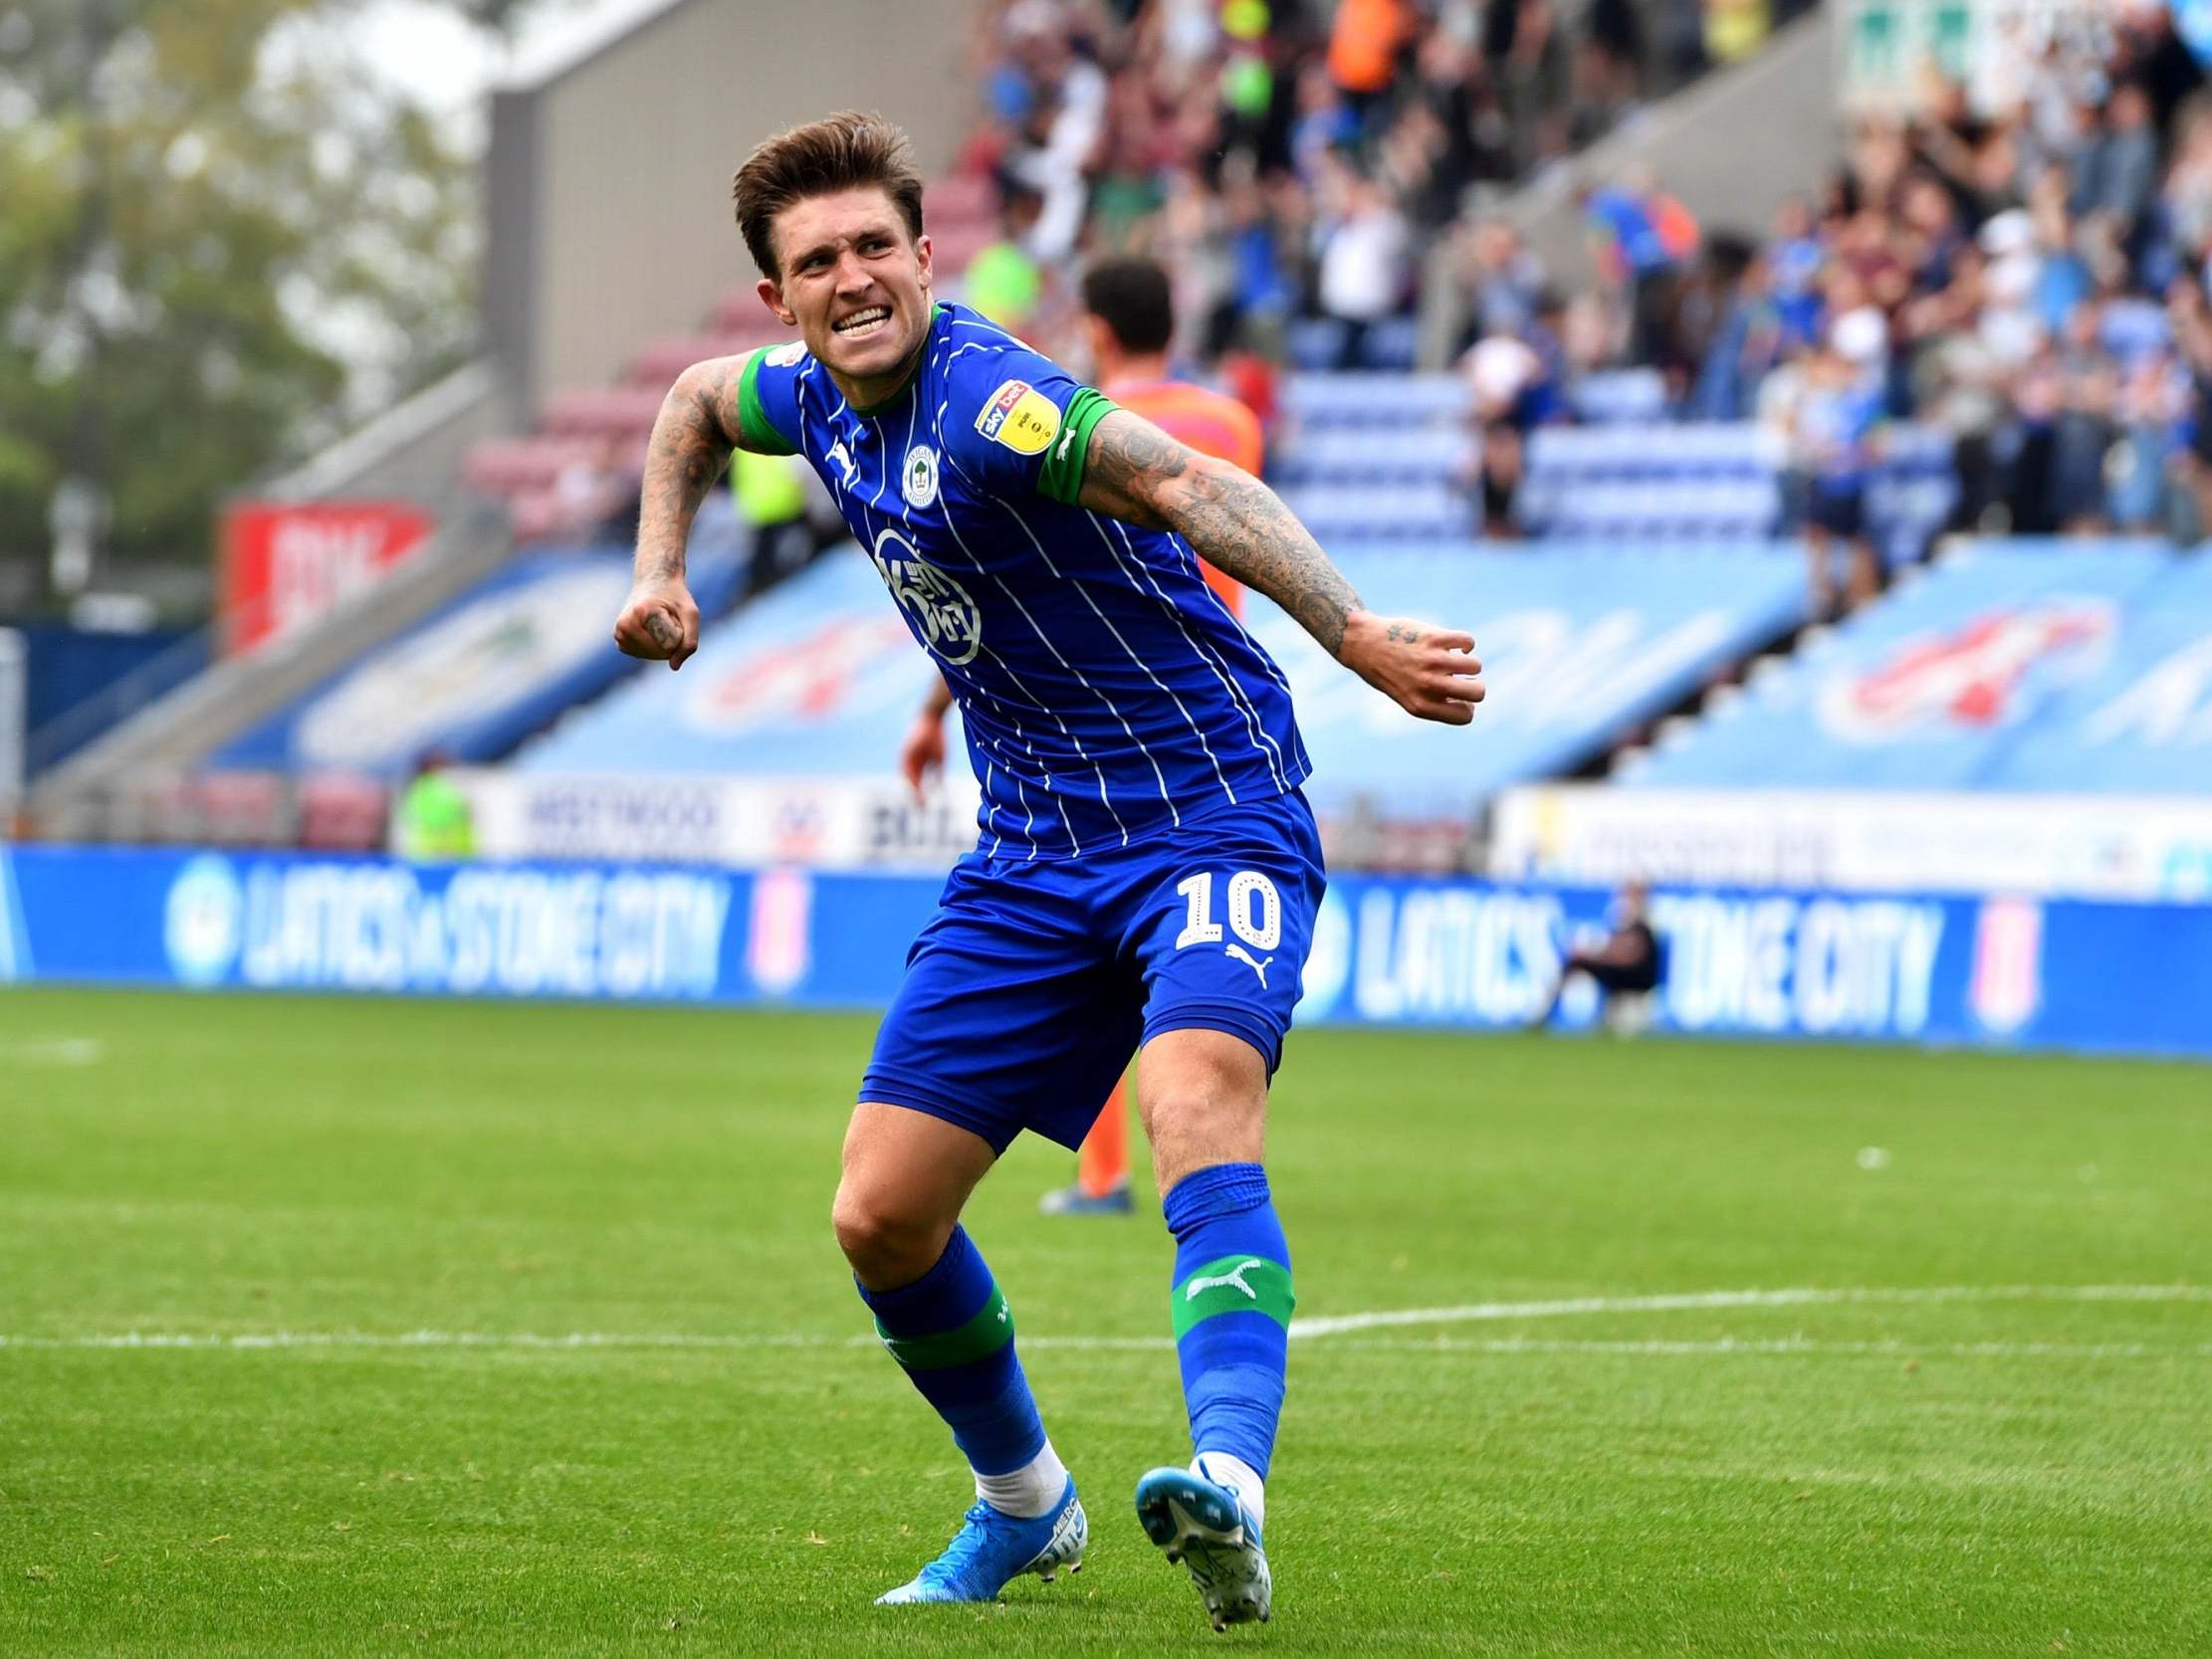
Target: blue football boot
[
  {"x": 1073, "y": 1200},
  {"x": 1208, "y": 1529},
  {"x": 992, "y": 1547}
]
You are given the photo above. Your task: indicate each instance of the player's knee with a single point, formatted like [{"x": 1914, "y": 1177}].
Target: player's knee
[
  {"x": 885, "y": 1246},
  {"x": 1209, "y": 1108}
]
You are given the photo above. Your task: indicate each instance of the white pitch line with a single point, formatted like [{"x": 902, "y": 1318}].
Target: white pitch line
[
  {"x": 1887, "y": 1349},
  {"x": 1691, "y": 1301},
  {"x": 1305, "y": 1328}
]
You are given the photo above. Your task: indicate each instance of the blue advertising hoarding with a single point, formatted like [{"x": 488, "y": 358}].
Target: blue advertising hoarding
[{"x": 1388, "y": 951}]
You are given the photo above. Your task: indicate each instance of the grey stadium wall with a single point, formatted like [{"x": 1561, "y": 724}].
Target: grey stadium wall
[{"x": 607, "y": 183}]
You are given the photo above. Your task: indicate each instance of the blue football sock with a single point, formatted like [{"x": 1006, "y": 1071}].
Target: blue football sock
[
  {"x": 953, "y": 1333},
  {"x": 1232, "y": 1302}
]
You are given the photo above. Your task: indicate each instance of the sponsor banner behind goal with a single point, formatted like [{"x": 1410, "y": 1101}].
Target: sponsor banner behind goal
[
  {"x": 1863, "y": 840},
  {"x": 824, "y": 823}
]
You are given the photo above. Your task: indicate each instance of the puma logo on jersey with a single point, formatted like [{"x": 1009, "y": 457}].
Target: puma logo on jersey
[
  {"x": 1235, "y": 1276},
  {"x": 845, "y": 464},
  {"x": 1246, "y": 956}
]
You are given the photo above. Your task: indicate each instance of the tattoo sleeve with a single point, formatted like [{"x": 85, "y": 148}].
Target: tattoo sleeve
[
  {"x": 1136, "y": 473},
  {"x": 693, "y": 436}
]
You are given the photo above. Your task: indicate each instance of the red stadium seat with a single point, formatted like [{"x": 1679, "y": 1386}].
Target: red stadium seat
[{"x": 602, "y": 412}]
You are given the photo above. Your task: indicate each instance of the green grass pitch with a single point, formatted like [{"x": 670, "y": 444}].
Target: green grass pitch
[{"x": 730, "y": 1466}]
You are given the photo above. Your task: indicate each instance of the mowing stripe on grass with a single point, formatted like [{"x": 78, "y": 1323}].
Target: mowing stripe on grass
[
  {"x": 1888, "y": 1347},
  {"x": 1335, "y": 1325}
]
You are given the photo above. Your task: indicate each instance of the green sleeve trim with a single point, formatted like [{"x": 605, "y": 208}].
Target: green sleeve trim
[
  {"x": 1061, "y": 477},
  {"x": 759, "y": 432},
  {"x": 989, "y": 1330},
  {"x": 1235, "y": 1285}
]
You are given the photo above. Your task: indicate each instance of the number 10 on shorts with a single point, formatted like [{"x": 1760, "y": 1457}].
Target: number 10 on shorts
[{"x": 1252, "y": 906}]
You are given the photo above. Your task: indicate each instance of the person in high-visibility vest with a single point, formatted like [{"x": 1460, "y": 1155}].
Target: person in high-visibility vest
[
  {"x": 432, "y": 822},
  {"x": 771, "y": 493},
  {"x": 1129, "y": 316}
]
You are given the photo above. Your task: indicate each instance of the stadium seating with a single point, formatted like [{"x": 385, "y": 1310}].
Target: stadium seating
[
  {"x": 1386, "y": 457},
  {"x": 1316, "y": 343}
]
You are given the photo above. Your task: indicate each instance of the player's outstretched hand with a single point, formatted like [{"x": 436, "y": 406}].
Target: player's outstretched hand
[
  {"x": 922, "y": 755},
  {"x": 659, "y": 622},
  {"x": 1426, "y": 670}
]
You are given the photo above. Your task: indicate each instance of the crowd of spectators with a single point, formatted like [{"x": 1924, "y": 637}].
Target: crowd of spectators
[
  {"x": 1291, "y": 158},
  {"x": 2028, "y": 276},
  {"x": 2025, "y": 273}
]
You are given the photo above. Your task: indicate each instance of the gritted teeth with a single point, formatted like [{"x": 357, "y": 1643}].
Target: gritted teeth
[{"x": 862, "y": 319}]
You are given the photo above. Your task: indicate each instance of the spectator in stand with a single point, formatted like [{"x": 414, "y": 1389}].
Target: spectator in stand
[
  {"x": 2115, "y": 171},
  {"x": 1745, "y": 340},
  {"x": 1834, "y": 425},
  {"x": 1059, "y": 140},
  {"x": 1255, "y": 298},
  {"x": 2153, "y": 410},
  {"x": 1325, "y": 127},
  {"x": 1735, "y": 28},
  {"x": 1500, "y": 281},
  {"x": 1529, "y": 55},
  {"x": 2188, "y": 189},
  {"x": 1364, "y": 45},
  {"x": 1794, "y": 259},
  {"x": 1616, "y": 40},
  {"x": 1510, "y": 393},
  {"x": 1411, "y": 163},
  {"x": 2087, "y": 385},
  {"x": 1641, "y": 240},
  {"x": 1959, "y": 384},
  {"x": 2190, "y": 316},
  {"x": 1365, "y": 269}
]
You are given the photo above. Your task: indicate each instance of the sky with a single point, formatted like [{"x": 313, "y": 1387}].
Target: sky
[{"x": 448, "y": 64}]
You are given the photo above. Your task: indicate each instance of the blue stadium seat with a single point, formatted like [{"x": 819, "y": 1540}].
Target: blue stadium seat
[
  {"x": 1627, "y": 395},
  {"x": 1365, "y": 399}
]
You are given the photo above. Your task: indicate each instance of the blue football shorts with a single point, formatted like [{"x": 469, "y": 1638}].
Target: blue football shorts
[{"x": 1036, "y": 979}]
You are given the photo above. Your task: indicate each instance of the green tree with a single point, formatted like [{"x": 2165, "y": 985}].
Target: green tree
[{"x": 198, "y": 196}]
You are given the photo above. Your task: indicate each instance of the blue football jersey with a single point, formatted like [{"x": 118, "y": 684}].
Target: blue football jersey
[{"x": 1105, "y": 691}]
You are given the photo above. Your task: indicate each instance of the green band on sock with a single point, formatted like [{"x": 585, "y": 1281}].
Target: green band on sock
[
  {"x": 985, "y": 1334},
  {"x": 1235, "y": 1285}
]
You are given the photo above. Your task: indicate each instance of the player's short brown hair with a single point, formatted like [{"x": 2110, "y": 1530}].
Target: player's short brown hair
[
  {"x": 848, "y": 151},
  {"x": 1130, "y": 294}
]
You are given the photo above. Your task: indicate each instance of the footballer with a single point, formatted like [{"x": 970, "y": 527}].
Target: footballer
[{"x": 1147, "y": 871}]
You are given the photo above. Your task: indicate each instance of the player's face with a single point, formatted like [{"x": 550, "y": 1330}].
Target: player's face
[{"x": 854, "y": 283}]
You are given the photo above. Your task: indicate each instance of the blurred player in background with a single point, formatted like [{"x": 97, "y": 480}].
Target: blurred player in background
[
  {"x": 1129, "y": 316},
  {"x": 1147, "y": 873}
]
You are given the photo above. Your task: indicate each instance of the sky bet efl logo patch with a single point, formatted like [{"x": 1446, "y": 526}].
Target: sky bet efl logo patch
[{"x": 1020, "y": 417}]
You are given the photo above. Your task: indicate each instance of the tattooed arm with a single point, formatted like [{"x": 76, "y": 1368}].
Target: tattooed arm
[
  {"x": 1135, "y": 472},
  {"x": 692, "y": 439}
]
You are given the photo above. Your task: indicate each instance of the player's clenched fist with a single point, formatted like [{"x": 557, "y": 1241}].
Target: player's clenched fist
[
  {"x": 659, "y": 622},
  {"x": 1426, "y": 670}
]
